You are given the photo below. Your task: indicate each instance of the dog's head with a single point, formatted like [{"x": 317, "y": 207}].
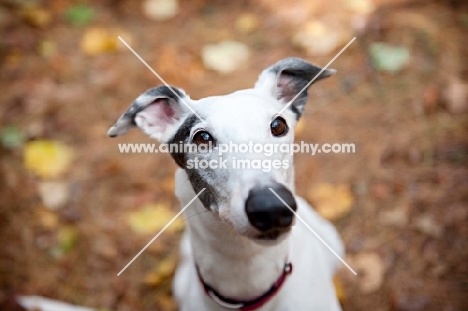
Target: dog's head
[{"x": 247, "y": 173}]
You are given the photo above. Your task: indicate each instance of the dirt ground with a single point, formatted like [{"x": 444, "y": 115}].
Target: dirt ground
[{"x": 405, "y": 231}]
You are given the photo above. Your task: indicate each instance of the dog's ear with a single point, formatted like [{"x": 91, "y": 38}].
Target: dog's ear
[
  {"x": 285, "y": 79},
  {"x": 157, "y": 112}
]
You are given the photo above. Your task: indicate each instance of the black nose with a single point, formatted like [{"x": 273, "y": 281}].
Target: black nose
[{"x": 266, "y": 212}]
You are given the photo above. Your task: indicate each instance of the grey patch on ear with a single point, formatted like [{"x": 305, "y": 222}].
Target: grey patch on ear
[
  {"x": 126, "y": 120},
  {"x": 292, "y": 75}
]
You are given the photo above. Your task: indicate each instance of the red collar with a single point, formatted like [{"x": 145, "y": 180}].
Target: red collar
[{"x": 248, "y": 305}]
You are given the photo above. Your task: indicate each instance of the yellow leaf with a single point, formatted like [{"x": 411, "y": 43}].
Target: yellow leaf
[
  {"x": 66, "y": 238},
  {"x": 164, "y": 270},
  {"x": 300, "y": 127},
  {"x": 247, "y": 23},
  {"x": 37, "y": 17},
  {"x": 47, "y": 158},
  {"x": 152, "y": 218},
  {"x": 331, "y": 201},
  {"x": 48, "y": 219},
  {"x": 340, "y": 294},
  {"x": 98, "y": 40}
]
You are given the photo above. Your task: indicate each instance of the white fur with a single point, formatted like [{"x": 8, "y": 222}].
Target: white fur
[
  {"x": 227, "y": 260},
  {"x": 219, "y": 238}
]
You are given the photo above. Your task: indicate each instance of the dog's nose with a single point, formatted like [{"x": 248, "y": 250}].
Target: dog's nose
[{"x": 266, "y": 212}]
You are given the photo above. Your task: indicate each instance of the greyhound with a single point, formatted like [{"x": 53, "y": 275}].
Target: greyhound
[{"x": 243, "y": 249}]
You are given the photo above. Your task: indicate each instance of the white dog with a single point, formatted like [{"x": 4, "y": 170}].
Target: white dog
[{"x": 243, "y": 248}]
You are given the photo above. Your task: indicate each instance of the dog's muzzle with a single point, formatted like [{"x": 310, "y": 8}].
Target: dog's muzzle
[{"x": 267, "y": 213}]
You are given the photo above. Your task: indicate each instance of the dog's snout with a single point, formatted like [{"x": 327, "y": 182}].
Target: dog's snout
[{"x": 266, "y": 212}]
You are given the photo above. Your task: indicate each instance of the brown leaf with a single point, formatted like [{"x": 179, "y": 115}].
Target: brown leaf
[
  {"x": 152, "y": 218},
  {"x": 456, "y": 97},
  {"x": 164, "y": 270},
  {"x": 331, "y": 201},
  {"x": 370, "y": 269}
]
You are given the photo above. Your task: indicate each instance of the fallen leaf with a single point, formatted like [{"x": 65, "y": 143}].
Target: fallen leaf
[
  {"x": 66, "y": 237},
  {"x": 152, "y": 218},
  {"x": 426, "y": 224},
  {"x": 318, "y": 39},
  {"x": 79, "y": 15},
  {"x": 104, "y": 246},
  {"x": 247, "y": 23},
  {"x": 164, "y": 270},
  {"x": 381, "y": 190},
  {"x": 456, "y": 97},
  {"x": 11, "y": 137},
  {"x": 47, "y": 159},
  {"x": 54, "y": 195},
  {"x": 397, "y": 217},
  {"x": 36, "y": 16},
  {"x": 225, "y": 56},
  {"x": 300, "y": 127},
  {"x": 370, "y": 270},
  {"x": 431, "y": 98},
  {"x": 160, "y": 10},
  {"x": 339, "y": 289},
  {"x": 165, "y": 302},
  {"x": 98, "y": 41},
  {"x": 360, "y": 6},
  {"x": 48, "y": 219},
  {"x": 387, "y": 57},
  {"x": 47, "y": 48},
  {"x": 331, "y": 201}
]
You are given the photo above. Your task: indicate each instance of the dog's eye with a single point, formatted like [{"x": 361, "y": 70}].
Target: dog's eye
[
  {"x": 202, "y": 137},
  {"x": 279, "y": 127}
]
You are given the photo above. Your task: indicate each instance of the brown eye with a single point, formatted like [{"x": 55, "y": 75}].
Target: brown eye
[
  {"x": 202, "y": 138},
  {"x": 279, "y": 127}
]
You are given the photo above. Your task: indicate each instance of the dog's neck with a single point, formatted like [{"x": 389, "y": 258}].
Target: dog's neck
[{"x": 234, "y": 265}]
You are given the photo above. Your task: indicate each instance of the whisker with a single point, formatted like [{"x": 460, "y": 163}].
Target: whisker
[{"x": 198, "y": 214}]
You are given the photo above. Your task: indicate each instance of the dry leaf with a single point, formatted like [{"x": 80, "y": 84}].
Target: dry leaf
[
  {"x": 331, "y": 201},
  {"x": 388, "y": 57},
  {"x": 152, "y": 218},
  {"x": 225, "y": 56},
  {"x": 247, "y": 23},
  {"x": 300, "y": 127},
  {"x": 456, "y": 97},
  {"x": 54, "y": 195},
  {"x": 47, "y": 48},
  {"x": 360, "y": 6},
  {"x": 426, "y": 224},
  {"x": 48, "y": 219},
  {"x": 318, "y": 39},
  {"x": 370, "y": 269},
  {"x": 164, "y": 270},
  {"x": 66, "y": 237},
  {"x": 47, "y": 159},
  {"x": 339, "y": 289},
  {"x": 98, "y": 41},
  {"x": 160, "y": 10},
  {"x": 397, "y": 217},
  {"x": 37, "y": 17}
]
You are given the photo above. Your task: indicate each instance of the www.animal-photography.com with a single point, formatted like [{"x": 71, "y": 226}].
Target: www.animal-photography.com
[{"x": 208, "y": 155}]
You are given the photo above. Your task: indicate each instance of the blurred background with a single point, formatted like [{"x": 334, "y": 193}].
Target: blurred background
[{"x": 74, "y": 211}]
